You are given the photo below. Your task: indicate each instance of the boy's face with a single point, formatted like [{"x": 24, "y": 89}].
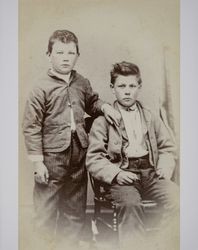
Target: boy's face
[
  {"x": 63, "y": 57},
  {"x": 126, "y": 89}
]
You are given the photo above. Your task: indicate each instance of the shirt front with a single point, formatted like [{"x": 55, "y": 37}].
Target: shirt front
[{"x": 133, "y": 125}]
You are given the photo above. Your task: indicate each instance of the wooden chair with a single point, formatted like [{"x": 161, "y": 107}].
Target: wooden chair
[{"x": 105, "y": 216}]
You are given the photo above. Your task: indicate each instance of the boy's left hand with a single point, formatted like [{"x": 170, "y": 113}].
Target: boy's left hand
[
  {"x": 111, "y": 115},
  {"x": 164, "y": 173}
]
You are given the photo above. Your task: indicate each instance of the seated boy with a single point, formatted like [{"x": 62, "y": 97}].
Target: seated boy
[
  {"x": 134, "y": 161},
  {"x": 56, "y": 141}
]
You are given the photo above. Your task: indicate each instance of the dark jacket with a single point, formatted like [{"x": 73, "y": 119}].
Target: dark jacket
[{"x": 47, "y": 120}]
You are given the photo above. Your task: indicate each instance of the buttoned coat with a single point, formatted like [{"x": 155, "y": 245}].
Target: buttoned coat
[{"x": 47, "y": 117}]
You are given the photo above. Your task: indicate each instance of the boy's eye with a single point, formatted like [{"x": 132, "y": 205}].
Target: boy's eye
[
  {"x": 133, "y": 86},
  {"x": 121, "y": 86},
  {"x": 71, "y": 53},
  {"x": 59, "y": 52}
]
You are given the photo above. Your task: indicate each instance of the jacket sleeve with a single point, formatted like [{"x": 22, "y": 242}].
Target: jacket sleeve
[
  {"x": 165, "y": 145},
  {"x": 92, "y": 102},
  {"x": 97, "y": 160},
  {"x": 33, "y": 122}
]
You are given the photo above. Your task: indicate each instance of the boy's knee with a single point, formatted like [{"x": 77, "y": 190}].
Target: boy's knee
[{"x": 127, "y": 197}]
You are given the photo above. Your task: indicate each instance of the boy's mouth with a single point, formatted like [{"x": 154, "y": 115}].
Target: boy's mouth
[
  {"x": 127, "y": 99},
  {"x": 65, "y": 65}
]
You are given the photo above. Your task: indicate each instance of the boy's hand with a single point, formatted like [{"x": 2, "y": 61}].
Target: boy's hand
[
  {"x": 111, "y": 115},
  {"x": 126, "y": 177},
  {"x": 165, "y": 173},
  {"x": 41, "y": 174}
]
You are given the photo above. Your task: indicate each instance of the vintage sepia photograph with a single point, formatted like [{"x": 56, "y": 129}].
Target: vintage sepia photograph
[{"x": 99, "y": 125}]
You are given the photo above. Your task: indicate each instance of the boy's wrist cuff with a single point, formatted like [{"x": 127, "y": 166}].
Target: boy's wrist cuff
[{"x": 35, "y": 158}]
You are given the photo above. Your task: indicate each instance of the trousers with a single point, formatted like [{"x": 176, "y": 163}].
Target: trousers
[
  {"x": 60, "y": 206},
  {"x": 128, "y": 199}
]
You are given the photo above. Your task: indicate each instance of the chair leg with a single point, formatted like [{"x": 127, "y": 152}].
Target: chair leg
[
  {"x": 94, "y": 228},
  {"x": 115, "y": 226}
]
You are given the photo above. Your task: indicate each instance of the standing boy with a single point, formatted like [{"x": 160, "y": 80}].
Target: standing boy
[
  {"x": 56, "y": 140},
  {"x": 134, "y": 161}
]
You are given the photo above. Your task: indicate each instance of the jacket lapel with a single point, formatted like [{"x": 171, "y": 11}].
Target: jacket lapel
[{"x": 145, "y": 118}]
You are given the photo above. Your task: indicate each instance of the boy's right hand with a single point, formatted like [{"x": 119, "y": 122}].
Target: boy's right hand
[
  {"x": 41, "y": 174},
  {"x": 126, "y": 178}
]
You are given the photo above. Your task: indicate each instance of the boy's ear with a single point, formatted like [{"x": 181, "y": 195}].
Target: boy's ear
[
  {"x": 140, "y": 86},
  {"x": 49, "y": 57},
  {"x": 112, "y": 88}
]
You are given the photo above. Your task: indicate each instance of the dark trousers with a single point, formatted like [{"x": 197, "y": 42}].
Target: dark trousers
[
  {"x": 128, "y": 199},
  {"x": 60, "y": 206}
]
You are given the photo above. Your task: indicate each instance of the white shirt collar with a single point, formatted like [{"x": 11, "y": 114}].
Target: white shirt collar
[{"x": 132, "y": 108}]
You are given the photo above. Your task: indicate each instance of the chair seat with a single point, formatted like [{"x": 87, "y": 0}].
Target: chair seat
[{"x": 109, "y": 204}]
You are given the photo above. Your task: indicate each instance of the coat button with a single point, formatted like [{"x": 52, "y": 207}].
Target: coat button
[{"x": 116, "y": 143}]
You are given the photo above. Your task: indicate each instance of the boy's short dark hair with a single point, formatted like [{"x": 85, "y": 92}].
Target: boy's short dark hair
[
  {"x": 125, "y": 69},
  {"x": 64, "y": 36}
]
